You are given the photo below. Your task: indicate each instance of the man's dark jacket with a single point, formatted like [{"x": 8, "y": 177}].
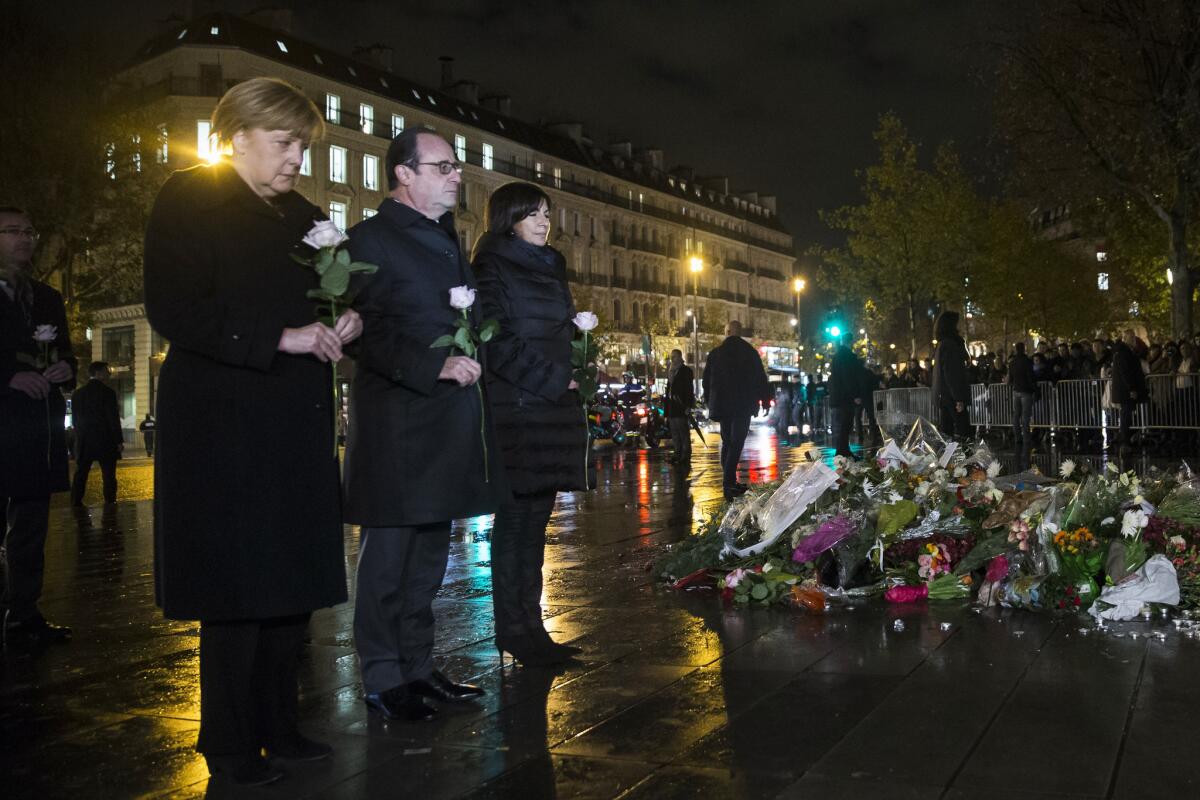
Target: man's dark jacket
[
  {"x": 97, "y": 422},
  {"x": 540, "y": 424},
  {"x": 33, "y": 447},
  {"x": 735, "y": 383},
  {"x": 950, "y": 383},
  {"x": 1020, "y": 374},
  {"x": 681, "y": 392},
  {"x": 247, "y": 503},
  {"x": 414, "y": 453},
  {"x": 845, "y": 378},
  {"x": 1127, "y": 376}
]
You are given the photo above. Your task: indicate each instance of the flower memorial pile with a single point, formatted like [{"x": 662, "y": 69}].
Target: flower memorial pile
[{"x": 925, "y": 520}]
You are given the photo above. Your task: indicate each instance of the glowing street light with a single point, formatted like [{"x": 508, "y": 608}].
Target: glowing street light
[
  {"x": 794, "y": 322},
  {"x": 696, "y": 265}
]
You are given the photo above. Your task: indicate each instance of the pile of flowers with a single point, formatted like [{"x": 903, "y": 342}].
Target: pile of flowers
[{"x": 927, "y": 521}]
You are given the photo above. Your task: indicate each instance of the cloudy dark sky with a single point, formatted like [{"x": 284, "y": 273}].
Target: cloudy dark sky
[{"x": 780, "y": 96}]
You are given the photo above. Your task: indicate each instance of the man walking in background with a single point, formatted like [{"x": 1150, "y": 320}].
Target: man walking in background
[
  {"x": 97, "y": 433},
  {"x": 681, "y": 396},
  {"x": 735, "y": 386}
]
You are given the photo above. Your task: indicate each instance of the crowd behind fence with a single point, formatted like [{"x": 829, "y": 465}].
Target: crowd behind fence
[{"x": 1174, "y": 404}]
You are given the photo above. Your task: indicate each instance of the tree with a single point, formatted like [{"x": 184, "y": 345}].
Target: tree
[
  {"x": 1101, "y": 98},
  {"x": 83, "y": 163},
  {"x": 899, "y": 252}
]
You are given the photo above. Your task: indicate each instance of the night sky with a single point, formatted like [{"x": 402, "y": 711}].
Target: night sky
[{"x": 782, "y": 97}]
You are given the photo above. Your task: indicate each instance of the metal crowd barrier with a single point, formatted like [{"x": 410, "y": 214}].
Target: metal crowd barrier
[{"x": 1174, "y": 404}]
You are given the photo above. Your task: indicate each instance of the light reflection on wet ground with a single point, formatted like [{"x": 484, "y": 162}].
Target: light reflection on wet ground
[{"x": 675, "y": 696}]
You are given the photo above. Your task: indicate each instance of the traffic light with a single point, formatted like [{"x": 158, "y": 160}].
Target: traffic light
[{"x": 835, "y": 325}]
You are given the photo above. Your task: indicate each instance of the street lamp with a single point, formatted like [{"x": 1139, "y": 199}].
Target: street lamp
[
  {"x": 696, "y": 265},
  {"x": 798, "y": 285}
]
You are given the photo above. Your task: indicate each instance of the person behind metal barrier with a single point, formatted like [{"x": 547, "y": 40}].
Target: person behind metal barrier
[{"x": 951, "y": 391}]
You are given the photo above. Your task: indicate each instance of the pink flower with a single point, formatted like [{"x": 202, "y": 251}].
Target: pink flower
[{"x": 997, "y": 569}]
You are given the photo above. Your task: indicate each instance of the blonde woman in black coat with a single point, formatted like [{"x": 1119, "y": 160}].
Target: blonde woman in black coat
[
  {"x": 536, "y": 407},
  {"x": 247, "y": 514}
]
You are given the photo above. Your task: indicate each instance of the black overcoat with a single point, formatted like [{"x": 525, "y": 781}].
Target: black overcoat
[
  {"x": 247, "y": 505},
  {"x": 845, "y": 378},
  {"x": 950, "y": 383},
  {"x": 1128, "y": 380},
  {"x": 735, "y": 383},
  {"x": 415, "y": 447},
  {"x": 33, "y": 447},
  {"x": 97, "y": 422},
  {"x": 540, "y": 424}
]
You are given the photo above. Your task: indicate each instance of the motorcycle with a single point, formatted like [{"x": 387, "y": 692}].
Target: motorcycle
[
  {"x": 605, "y": 419},
  {"x": 645, "y": 421}
]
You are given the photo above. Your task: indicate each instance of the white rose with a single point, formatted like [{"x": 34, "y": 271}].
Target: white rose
[
  {"x": 960, "y": 472},
  {"x": 1132, "y": 523},
  {"x": 586, "y": 321},
  {"x": 1067, "y": 469},
  {"x": 324, "y": 234},
  {"x": 462, "y": 297},
  {"x": 45, "y": 333},
  {"x": 1178, "y": 541},
  {"x": 993, "y": 469}
]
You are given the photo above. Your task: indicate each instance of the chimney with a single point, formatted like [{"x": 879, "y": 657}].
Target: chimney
[
  {"x": 682, "y": 171},
  {"x": 749, "y": 197},
  {"x": 653, "y": 159},
  {"x": 571, "y": 130},
  {"x": 277, "y": 19},
  {"x": 500, "y": 103},
  {"x": 622, "y": 149},
  {"x": 377, "y": 55},
  {"x": 718, "y": 183},
  {"x": 447, "y": 71},
  {"x": 769, "y": 203},
  {"x": 467, "y": 91}
]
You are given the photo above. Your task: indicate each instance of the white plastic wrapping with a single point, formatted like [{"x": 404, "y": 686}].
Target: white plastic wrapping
[
  {"x": 775, "y": 514},
  {"x": 1154, "y": 582}
]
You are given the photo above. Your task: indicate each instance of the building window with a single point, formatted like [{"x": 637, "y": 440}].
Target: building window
[
  {"x": 538, "y": 169},
  {"x": 616, "y": 311},
  {"x": 162, "y": 153},
  {"x": 397, "y": 125},
  {"x": 366, "y": 118},
  {"x": 110, "y": 161},
  {"x": 337, "y": 214},
  {"x": 558, "y": 177},
  {"x": 306, "y": 164},
  {"x": 370, "y": 167},
  {"x": 136, "y": 142},
  {"x": 488, "y": 155},
  {"x": 333, "y": 109},
  {"x": 337, "y": 164},
  {"x": 577, "y": 228},
  {"x": 369, "y": 212},
  {"x": 1102, "y": 281},
  {"x": 117, "y": 345},
  {"x": 204, "y": 146},
  {"x": 460, "y": 147}
]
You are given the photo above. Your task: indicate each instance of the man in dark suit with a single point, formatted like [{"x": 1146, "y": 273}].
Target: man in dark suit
[
  {"x": 97, "y": 433},
  {"x": 845, "y": 397},
  {"x": 33, "y": 450},
  {"x": 415, "y": 457},
  {"x": 681, "y": 396},
  {"x": 735, "y": 386}
]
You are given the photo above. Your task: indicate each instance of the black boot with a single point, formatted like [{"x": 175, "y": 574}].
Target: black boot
[{"x": 530, "y": 651}]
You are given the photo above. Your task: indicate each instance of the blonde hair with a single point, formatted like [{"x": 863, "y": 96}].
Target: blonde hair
[{"x": 268, "y": 104}]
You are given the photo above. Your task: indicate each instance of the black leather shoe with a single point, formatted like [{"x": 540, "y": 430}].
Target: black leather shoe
[
  {"x": 299, "y": 748},
  {"x": 251, "y": 770},
  {"x": 398, "y": 703},
  {"x": 34, "y": 631},
  {"x": 440, "y": 688}
]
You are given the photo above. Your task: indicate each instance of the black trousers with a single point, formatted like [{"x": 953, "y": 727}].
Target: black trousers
[
  {"x": 1125, "y": 423},
  {"x": 25, "y": 521},
  {"x": 148, "y": 438},
  {"x": 399, "y": 573},
  {"x": 518, "y": 552},
  {"x": 108, "y": 469},
  {"x": 681, "y": 438},
  {"x": 953, "y": 422},
  {"x": 733, "y": 439},
  {"x": 843, "y": 420},
  {"x": 248, "y": 689}
]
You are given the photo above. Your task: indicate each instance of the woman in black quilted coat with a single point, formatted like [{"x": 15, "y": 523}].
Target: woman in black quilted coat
[{"x": 536, "y": 407}]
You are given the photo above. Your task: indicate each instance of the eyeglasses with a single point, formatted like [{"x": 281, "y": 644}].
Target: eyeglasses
[
  {"x": 444, "y": 167},
  {"x": 30, "y": 232}
]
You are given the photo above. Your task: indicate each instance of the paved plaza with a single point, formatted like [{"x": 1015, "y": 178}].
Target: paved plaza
[{"x": 675, "y": 695}]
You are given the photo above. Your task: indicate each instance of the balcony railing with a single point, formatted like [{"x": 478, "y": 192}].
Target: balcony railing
[{"x": 737, "y": 266}]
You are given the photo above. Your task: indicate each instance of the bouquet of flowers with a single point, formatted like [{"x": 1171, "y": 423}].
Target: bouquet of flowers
[{"x": 1082, "y": 558}]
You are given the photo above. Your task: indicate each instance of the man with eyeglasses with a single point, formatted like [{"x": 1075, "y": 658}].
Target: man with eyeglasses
[
  {"x": 415, "y": 457},
  {"x": 35, "y": 363}
]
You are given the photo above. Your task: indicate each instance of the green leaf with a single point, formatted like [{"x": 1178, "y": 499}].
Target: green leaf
[
  {"x": 343, "y": 257},
  {"x": 299, "y": 259},
  {"x": 488, "y": 330},
  {"x": 336, "y": 280},
  {"x": 445, "y": 340},
  {"x": 364, "y": 267},
  {"x": 462, "y": 338},
  {"x": 759, "y": 591},
  {"x": 319, "y": 294}
]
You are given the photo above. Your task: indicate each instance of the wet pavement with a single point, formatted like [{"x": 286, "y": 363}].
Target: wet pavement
[{"x": 675, "y": 695}]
